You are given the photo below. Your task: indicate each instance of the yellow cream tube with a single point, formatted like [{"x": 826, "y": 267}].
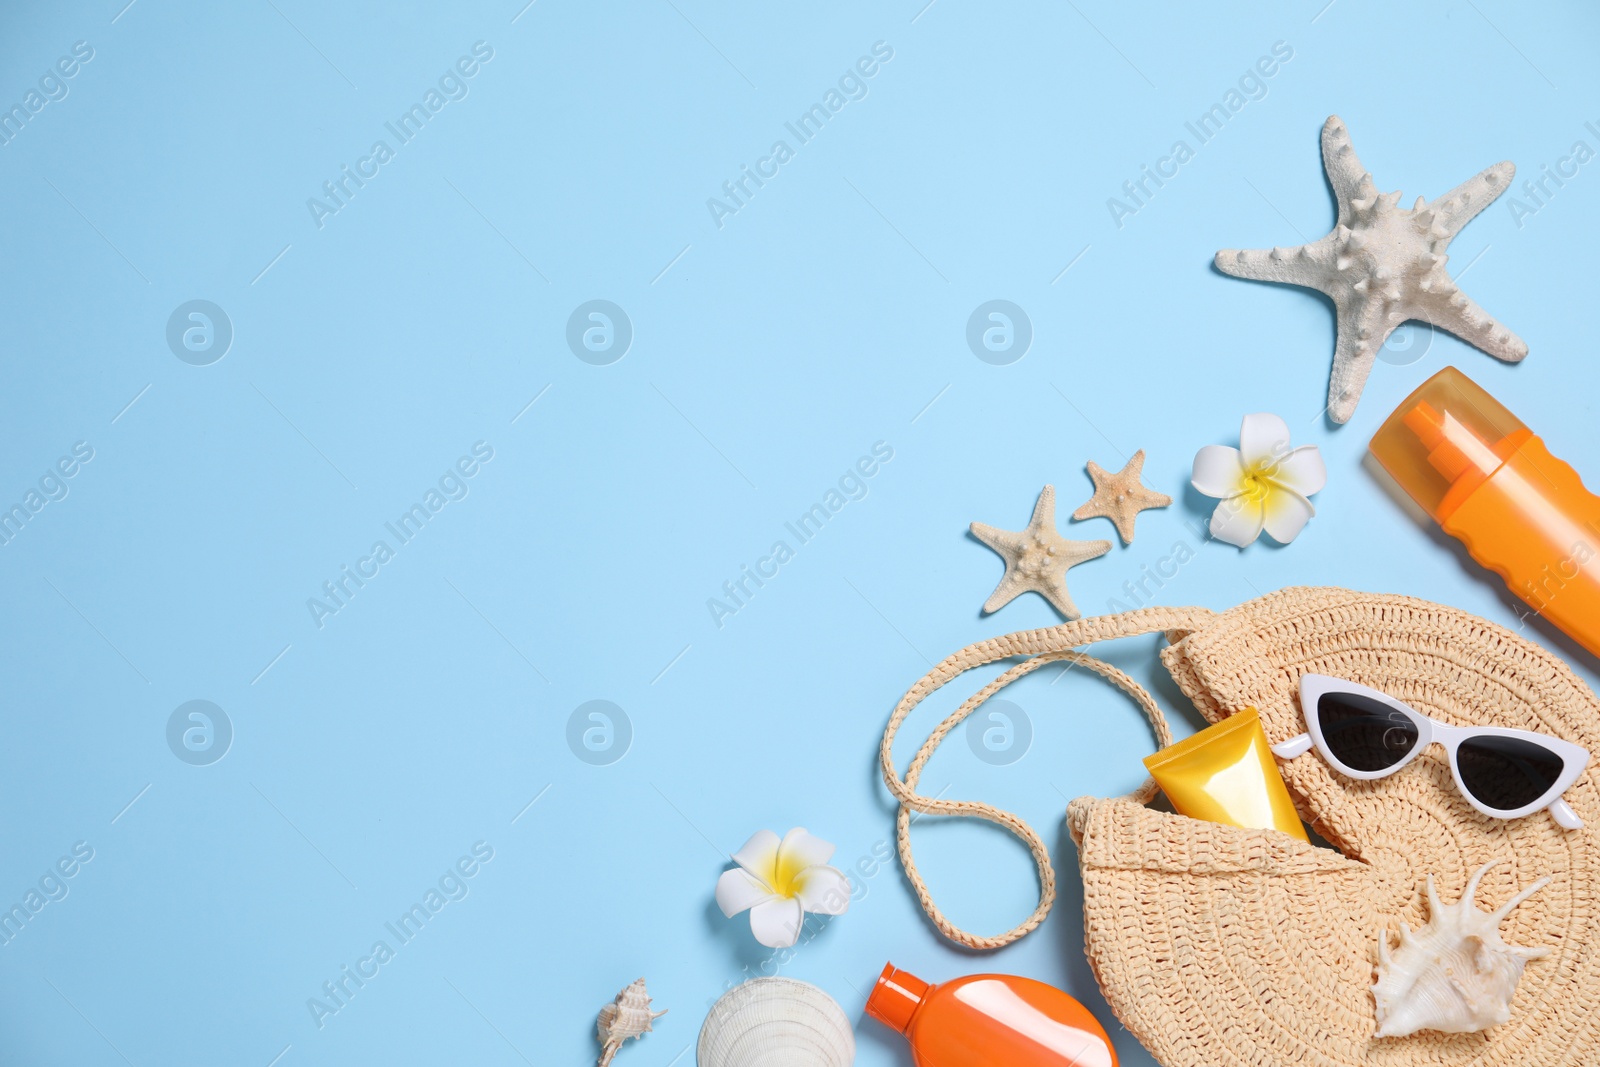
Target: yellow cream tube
[{"x": 1226, "y": 773}]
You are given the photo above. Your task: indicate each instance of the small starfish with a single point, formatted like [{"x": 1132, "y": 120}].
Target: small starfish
[
  {"x": 1037, "y": 559},
  {"x": 1383, "y": 265},
  {"x": 1121, "y": 496}
]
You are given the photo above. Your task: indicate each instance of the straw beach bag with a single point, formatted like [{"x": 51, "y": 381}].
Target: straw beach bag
[{"x": 1218, "y": 946}]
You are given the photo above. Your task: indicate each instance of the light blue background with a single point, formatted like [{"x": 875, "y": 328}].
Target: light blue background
[{"x": 827, "y": 314}]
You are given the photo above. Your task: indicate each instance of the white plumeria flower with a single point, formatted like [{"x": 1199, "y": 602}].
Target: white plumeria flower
[
  {"x": 779, "y": 881},
  {"x": 1263, "y": 484}
]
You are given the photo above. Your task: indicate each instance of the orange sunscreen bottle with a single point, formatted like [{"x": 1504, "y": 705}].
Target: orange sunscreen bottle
[
  {"x": 1226, "y": 773},
  {"x": 984, "y": 1020},
  {"x": 1493, "y": 486}
]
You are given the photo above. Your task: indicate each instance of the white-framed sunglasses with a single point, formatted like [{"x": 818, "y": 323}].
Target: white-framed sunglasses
[{"x": 1366, "y": 734}]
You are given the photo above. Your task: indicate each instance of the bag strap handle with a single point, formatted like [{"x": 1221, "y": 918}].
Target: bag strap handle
[{"x": 1043, "y": 646}]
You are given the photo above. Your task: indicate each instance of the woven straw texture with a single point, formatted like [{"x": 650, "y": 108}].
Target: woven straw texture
[{"x": 1222, "y": 947}]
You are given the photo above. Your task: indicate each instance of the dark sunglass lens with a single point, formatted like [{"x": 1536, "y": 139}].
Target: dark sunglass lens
[
  {"x": 1506, "y": 773},
  {"x": 1365, "y": 734}
]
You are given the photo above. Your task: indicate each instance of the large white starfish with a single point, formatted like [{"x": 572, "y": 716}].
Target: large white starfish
[
  {"x": 1382, "y": 265},
  {"x": 1038, "y": 558}
]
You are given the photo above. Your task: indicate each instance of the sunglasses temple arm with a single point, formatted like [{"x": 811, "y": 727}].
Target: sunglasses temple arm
[
  {"x": 1563, "y": 814},
  {"x": 1301, "y": 744}
]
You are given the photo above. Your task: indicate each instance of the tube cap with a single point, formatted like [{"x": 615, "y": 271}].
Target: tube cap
[
  {"x": 896, "y": 997},
  {"x": 1445, "y": 440}
]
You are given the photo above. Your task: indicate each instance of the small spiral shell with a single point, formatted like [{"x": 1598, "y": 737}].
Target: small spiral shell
[{"x": 627, "y": 1016}]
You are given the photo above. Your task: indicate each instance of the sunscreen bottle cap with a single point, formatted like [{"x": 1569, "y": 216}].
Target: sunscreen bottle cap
[
  {"x": 895, "y": 997},
  {"x": 1446, "y": 439}
]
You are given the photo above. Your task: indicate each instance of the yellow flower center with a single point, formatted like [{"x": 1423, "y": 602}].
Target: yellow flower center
[
  {"x": 1258, "y": 482},
  {"x": 784, "y": 876}
]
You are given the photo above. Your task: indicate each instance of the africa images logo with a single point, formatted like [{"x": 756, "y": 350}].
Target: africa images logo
[
  {"x": 52, "y": 486},
  {"x": 199, "y": 733},
  {"x": 599, "y": 332},
  {"x": 453, "y": 885},
  {"x": 737, "y": 592},
  {"x": 52, "y": 887},
  {"x": 52, "y": 88},
  {"x": 999, "y": 332},
  {"x": 452, "y": 486},
  {"x": 199, "y": 332},
  {"x": 1252, "y": 86},
  {"x": 452, "y": 86},
  {"x": 852, "y": 85}
]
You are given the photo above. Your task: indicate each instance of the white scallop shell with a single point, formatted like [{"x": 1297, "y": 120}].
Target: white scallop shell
[
  {"x": 776, "y": 1022},
  {"x": 1455, "y": 974}
]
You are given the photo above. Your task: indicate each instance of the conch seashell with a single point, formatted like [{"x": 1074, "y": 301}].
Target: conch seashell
[
  {"x": 776, "y": 1022},
  {"x": 627, "y": 1016},
  {"x": 1455, "y": 974}
]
